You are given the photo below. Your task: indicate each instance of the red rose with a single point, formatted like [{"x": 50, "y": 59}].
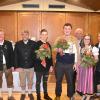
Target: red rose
[{"x": 45, "y": 46}]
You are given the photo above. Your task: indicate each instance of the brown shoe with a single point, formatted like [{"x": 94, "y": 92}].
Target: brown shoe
[
  {"x": 31, "y": 96},
  {"x": 47, "y": 97},
  {"x": 38, "y": 96},
  {"x": 57, "y": 98},
  {"x": 1, "y": 98},
  {"x": 11, "y": 98},
  {"x": 22, "y": 97}
]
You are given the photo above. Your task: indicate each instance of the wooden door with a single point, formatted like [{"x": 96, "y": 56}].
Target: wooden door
[
  {"x": 8, "y": 22},
  {"x": 30, "y": 21},
  {"x": 53, "y": 22},
  {"x": 78, "y": 20},
  {"x": 94, "y": 25}
]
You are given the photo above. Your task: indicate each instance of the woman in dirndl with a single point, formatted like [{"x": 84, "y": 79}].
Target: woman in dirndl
[{"x": 85, "y": 71}]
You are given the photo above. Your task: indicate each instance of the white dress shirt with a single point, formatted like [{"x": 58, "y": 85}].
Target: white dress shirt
[
  {"x": 72, "y": 50},
  {"x": 4, "y": 60}
]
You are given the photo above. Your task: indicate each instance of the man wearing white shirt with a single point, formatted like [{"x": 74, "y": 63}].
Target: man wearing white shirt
[
  {"x": 6, "y": 65},
  {"x": 66, "y": 64},
  {"x": 79, "y": 35}
]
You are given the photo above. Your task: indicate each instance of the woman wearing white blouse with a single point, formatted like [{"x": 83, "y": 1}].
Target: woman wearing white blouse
[{"x": 85, "y": 70}]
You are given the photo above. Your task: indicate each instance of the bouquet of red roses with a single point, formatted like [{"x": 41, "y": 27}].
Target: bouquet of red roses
[
  {"x": 43, "y": 52},
  {"x": 88, "y": 59}
]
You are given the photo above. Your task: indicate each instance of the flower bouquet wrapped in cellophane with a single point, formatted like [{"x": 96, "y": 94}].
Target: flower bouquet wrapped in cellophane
[
  {"x": 43, "y": 52},
  {"x": 61, "y": 45},
  {"x": 88, "y": 59}
]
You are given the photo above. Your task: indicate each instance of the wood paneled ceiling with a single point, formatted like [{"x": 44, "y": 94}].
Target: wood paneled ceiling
[
  {"x": 8, "y": 2},
  {"x": 89, "y": 4}
]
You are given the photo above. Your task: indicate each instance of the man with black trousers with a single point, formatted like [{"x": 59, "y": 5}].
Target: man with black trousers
[
  {"x": 42, "y": 70},
  {"x": 24, "y": 63},
  {"x": 97, "y": 74},
  {"x": 6, "y": 65},
  {"x": 66, "y": 63}
]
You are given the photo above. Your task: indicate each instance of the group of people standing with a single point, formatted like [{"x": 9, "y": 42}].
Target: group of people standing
[
  {"x": 23, "y": 58},
  {"x": 77, "y": 65}
]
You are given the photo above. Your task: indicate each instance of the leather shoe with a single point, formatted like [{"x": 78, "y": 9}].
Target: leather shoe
[
  {"x": 31, "y": 96},
  {"x": 11, "y": 98},
  {"x": 1, "y": 98},
  {"x": 22, "y": 97},
  {"x": 57, "y": 98}
]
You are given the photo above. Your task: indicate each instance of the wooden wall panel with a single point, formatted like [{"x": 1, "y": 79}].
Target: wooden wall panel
[
  {"x": 78, "y": 20},
  {"x": 8, "y": 21},
  {"x": 53, "y": 22},
  {"x": 30, "y": 21},
  {"x": 15, "y": 22},
  {"x": 94, "y": 25}
]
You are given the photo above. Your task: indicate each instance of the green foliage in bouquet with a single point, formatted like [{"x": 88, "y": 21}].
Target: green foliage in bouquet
[
  {"x": 43, "y": 52},
  {"x": 88, "y": 60},
  {"x": 62, "y": 43}
]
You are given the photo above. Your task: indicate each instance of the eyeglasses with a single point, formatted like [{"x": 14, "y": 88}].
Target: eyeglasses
[{"x": 87, "y": 39}]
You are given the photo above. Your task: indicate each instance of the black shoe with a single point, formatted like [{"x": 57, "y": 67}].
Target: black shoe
[
  {"x": 1, "y": 98},
  {"x": 91, "y": 98},
  {"x": 31, "y": 96},
  {"x": 80, "y": 93},
  {"x": 10, "y": 98},
  {"x": 94, "y": 97},
  {"x": 22, "y": 97},
  {"x": 47, "y": 97},
  {"x": 84, "y": 97},
  {"x": 39, "y": 96}
]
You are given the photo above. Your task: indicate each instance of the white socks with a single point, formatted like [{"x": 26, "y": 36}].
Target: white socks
[
  {"x": 23, "y": 91},
  {"x": 10, "y": 92},
  {"x": 0, "y": 92},
  {"x": 29, "y": 91}
]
